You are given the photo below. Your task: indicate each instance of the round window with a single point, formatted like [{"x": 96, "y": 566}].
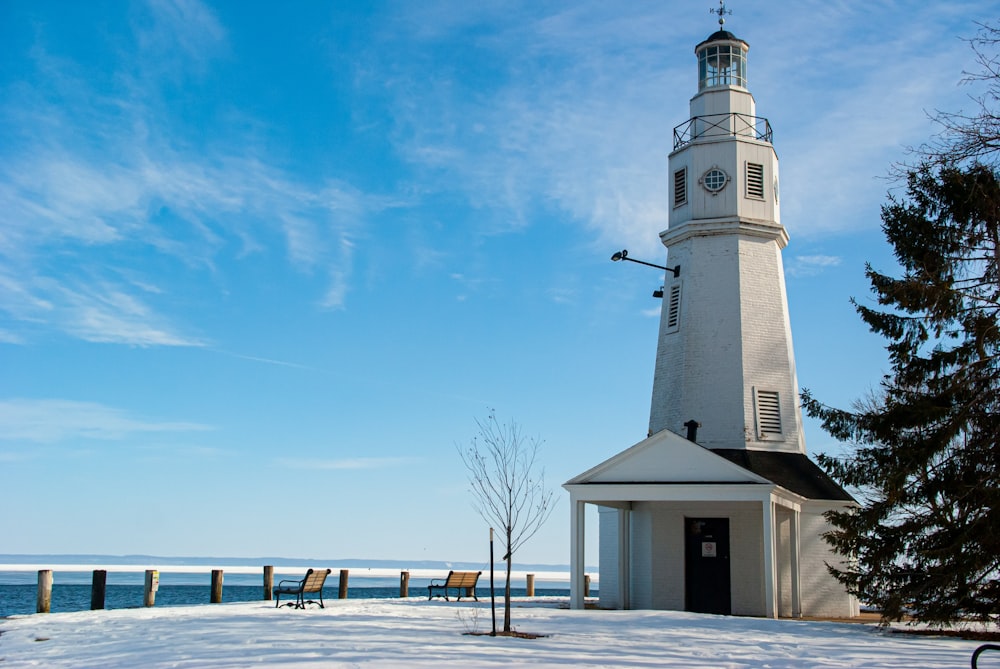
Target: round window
[{"x": 714, "y": 180}]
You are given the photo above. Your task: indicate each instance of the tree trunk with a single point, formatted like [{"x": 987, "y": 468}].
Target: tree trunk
[
  {"x": 506, "y": 590},
  {"x": 506, "y": 601}
]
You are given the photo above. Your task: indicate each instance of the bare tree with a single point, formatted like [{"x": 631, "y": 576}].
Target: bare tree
[
  {"x": 974, "y": 136},
  {"x": 509, "y": 494}
]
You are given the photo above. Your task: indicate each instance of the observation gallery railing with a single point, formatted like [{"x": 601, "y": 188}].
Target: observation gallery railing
[{"x": 722, "y": 125}]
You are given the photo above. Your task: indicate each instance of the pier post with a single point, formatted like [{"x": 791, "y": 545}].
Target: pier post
[
  {"x": 530, "y": 584},
  {"x": 152, "y": 585},
  {"x": 342, "y": 592},
  {"x": 404, "y": 584},
  {"x": 44, "y": 604},
  {"x": 216, "y": 586},
  {"x": 586, "y": 585},
  {"x": 268, "y": 582},
  {"x": 98, "y": 588}
]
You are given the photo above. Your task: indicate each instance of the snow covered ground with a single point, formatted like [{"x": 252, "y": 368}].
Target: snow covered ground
[{"x": 416, "y": 633}]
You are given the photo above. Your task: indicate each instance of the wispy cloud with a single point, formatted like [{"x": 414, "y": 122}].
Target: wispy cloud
[
  {"x": 7, "y": 337},
  {"x": 587, "y": 135},
  {"x": 266, "y": 361},
  {"x": 810, "y": 265},
  {"x": 345, "y": 463},
  {"x": 107, "y": 314},
  {"x": 571, "y": 122},
  {"x": 104, "y": 178},
  {"x": 174, "y": 452},
  {"x": 170, "y": 206},
  {"x": 652, "y": 312},
  {"x": 563, "y": 294},
  {"x": 53, "y": 420},
  {"x": 578, "y": 119},
  {"x": 100, "y": 310},
  {"x": 181, "y": 35}
]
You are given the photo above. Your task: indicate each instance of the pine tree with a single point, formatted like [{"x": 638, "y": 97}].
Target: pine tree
[{"x": 925, "y": 450}]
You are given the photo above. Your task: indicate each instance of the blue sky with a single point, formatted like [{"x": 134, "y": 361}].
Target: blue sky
[{"x": 259, "y": 262}]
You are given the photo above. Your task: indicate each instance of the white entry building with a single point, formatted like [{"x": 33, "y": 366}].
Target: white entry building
[{"x": 727, "y": 518}]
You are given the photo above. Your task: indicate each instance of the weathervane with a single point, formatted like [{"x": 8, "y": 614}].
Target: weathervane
[{"x": 721, "y": 11}]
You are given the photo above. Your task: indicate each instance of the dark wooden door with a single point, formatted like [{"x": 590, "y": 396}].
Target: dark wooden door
[{"x": 706, "y": 564}]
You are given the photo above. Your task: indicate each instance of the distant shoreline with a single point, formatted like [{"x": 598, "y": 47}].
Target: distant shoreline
[
  {"x": 276, "y": 561},
  {"x": 356, "y": 570}
]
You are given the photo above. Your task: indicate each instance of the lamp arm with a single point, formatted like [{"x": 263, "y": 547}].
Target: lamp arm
[
  {"x": 623, "y": 255},
  {"x": 648, "y": 264}
]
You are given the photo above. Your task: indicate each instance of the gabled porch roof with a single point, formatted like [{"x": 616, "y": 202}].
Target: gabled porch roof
[{"x": 668, "y": 459}]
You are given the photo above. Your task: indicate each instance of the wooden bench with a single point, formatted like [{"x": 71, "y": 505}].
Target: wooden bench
[
  {"x": 310, "y": 585},
  {"x": 462, "y": 581}
]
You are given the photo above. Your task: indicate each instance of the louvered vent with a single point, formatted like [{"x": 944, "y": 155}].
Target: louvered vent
[
  {"x": 674, "y": 308},
  {"x": 680, "y": 187},
  {"x": 755, "y": 180},
  {"x": 768, "y": 412}
]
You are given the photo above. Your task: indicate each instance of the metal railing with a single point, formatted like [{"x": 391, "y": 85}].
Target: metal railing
[
  {"x": 722, "y": 125},
  {"x": 979, "y": 651}
]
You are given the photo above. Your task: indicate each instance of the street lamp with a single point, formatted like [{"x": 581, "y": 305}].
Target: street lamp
[{"x": 623, "y": 255}]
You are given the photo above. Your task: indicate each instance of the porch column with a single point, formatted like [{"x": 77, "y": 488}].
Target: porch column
[
  {"x": 770, "y": 593},
  {"x": 576, "y": 553},
  {"x": 796, "y": 591},
  {"x": 624, "y": 559}
]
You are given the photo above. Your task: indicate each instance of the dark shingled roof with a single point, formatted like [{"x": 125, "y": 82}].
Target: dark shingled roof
[
  {"x": 721, "y": 36},
  {"x": 792, "y": 471}
]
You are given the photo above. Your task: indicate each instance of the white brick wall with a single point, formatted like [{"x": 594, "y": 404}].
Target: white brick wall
[
  {"x": 722, "y": 102},
  {"x": 768, "y": 361},
  {"x": 658, "y": 567},
  {"x": 822, "y": 594},
  {"x": 734, "y": 335},
  {"x": 657, "y": 558},
  {"x": 608, "y": 557},
  {"x": 698, "y": 372},
  {"x": 783, "y": 580},
  {"x": 734, "y": 332}
]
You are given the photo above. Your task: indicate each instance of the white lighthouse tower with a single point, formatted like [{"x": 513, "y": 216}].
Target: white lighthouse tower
[
  {"x": 724, "y": 358},
  {"x": 719, "y": 509}
]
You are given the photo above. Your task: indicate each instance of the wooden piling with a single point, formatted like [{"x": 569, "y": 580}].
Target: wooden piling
[
  {"x": 98, "y": 588},
  {"x": 530, "y": 585},
  {"x": 586, "y": 585},
  {"x": 404, "y": 584},
  {"x": 44, "y": 603},
  {"x": 342, "y": 592},
  {"x": 268, "y": 582},
  {"x": 216, "y": 586},
  {"x": 152, "y": 585}
]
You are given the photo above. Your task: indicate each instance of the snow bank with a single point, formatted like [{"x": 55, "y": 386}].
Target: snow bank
[{"x": 416, "y": 633}]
